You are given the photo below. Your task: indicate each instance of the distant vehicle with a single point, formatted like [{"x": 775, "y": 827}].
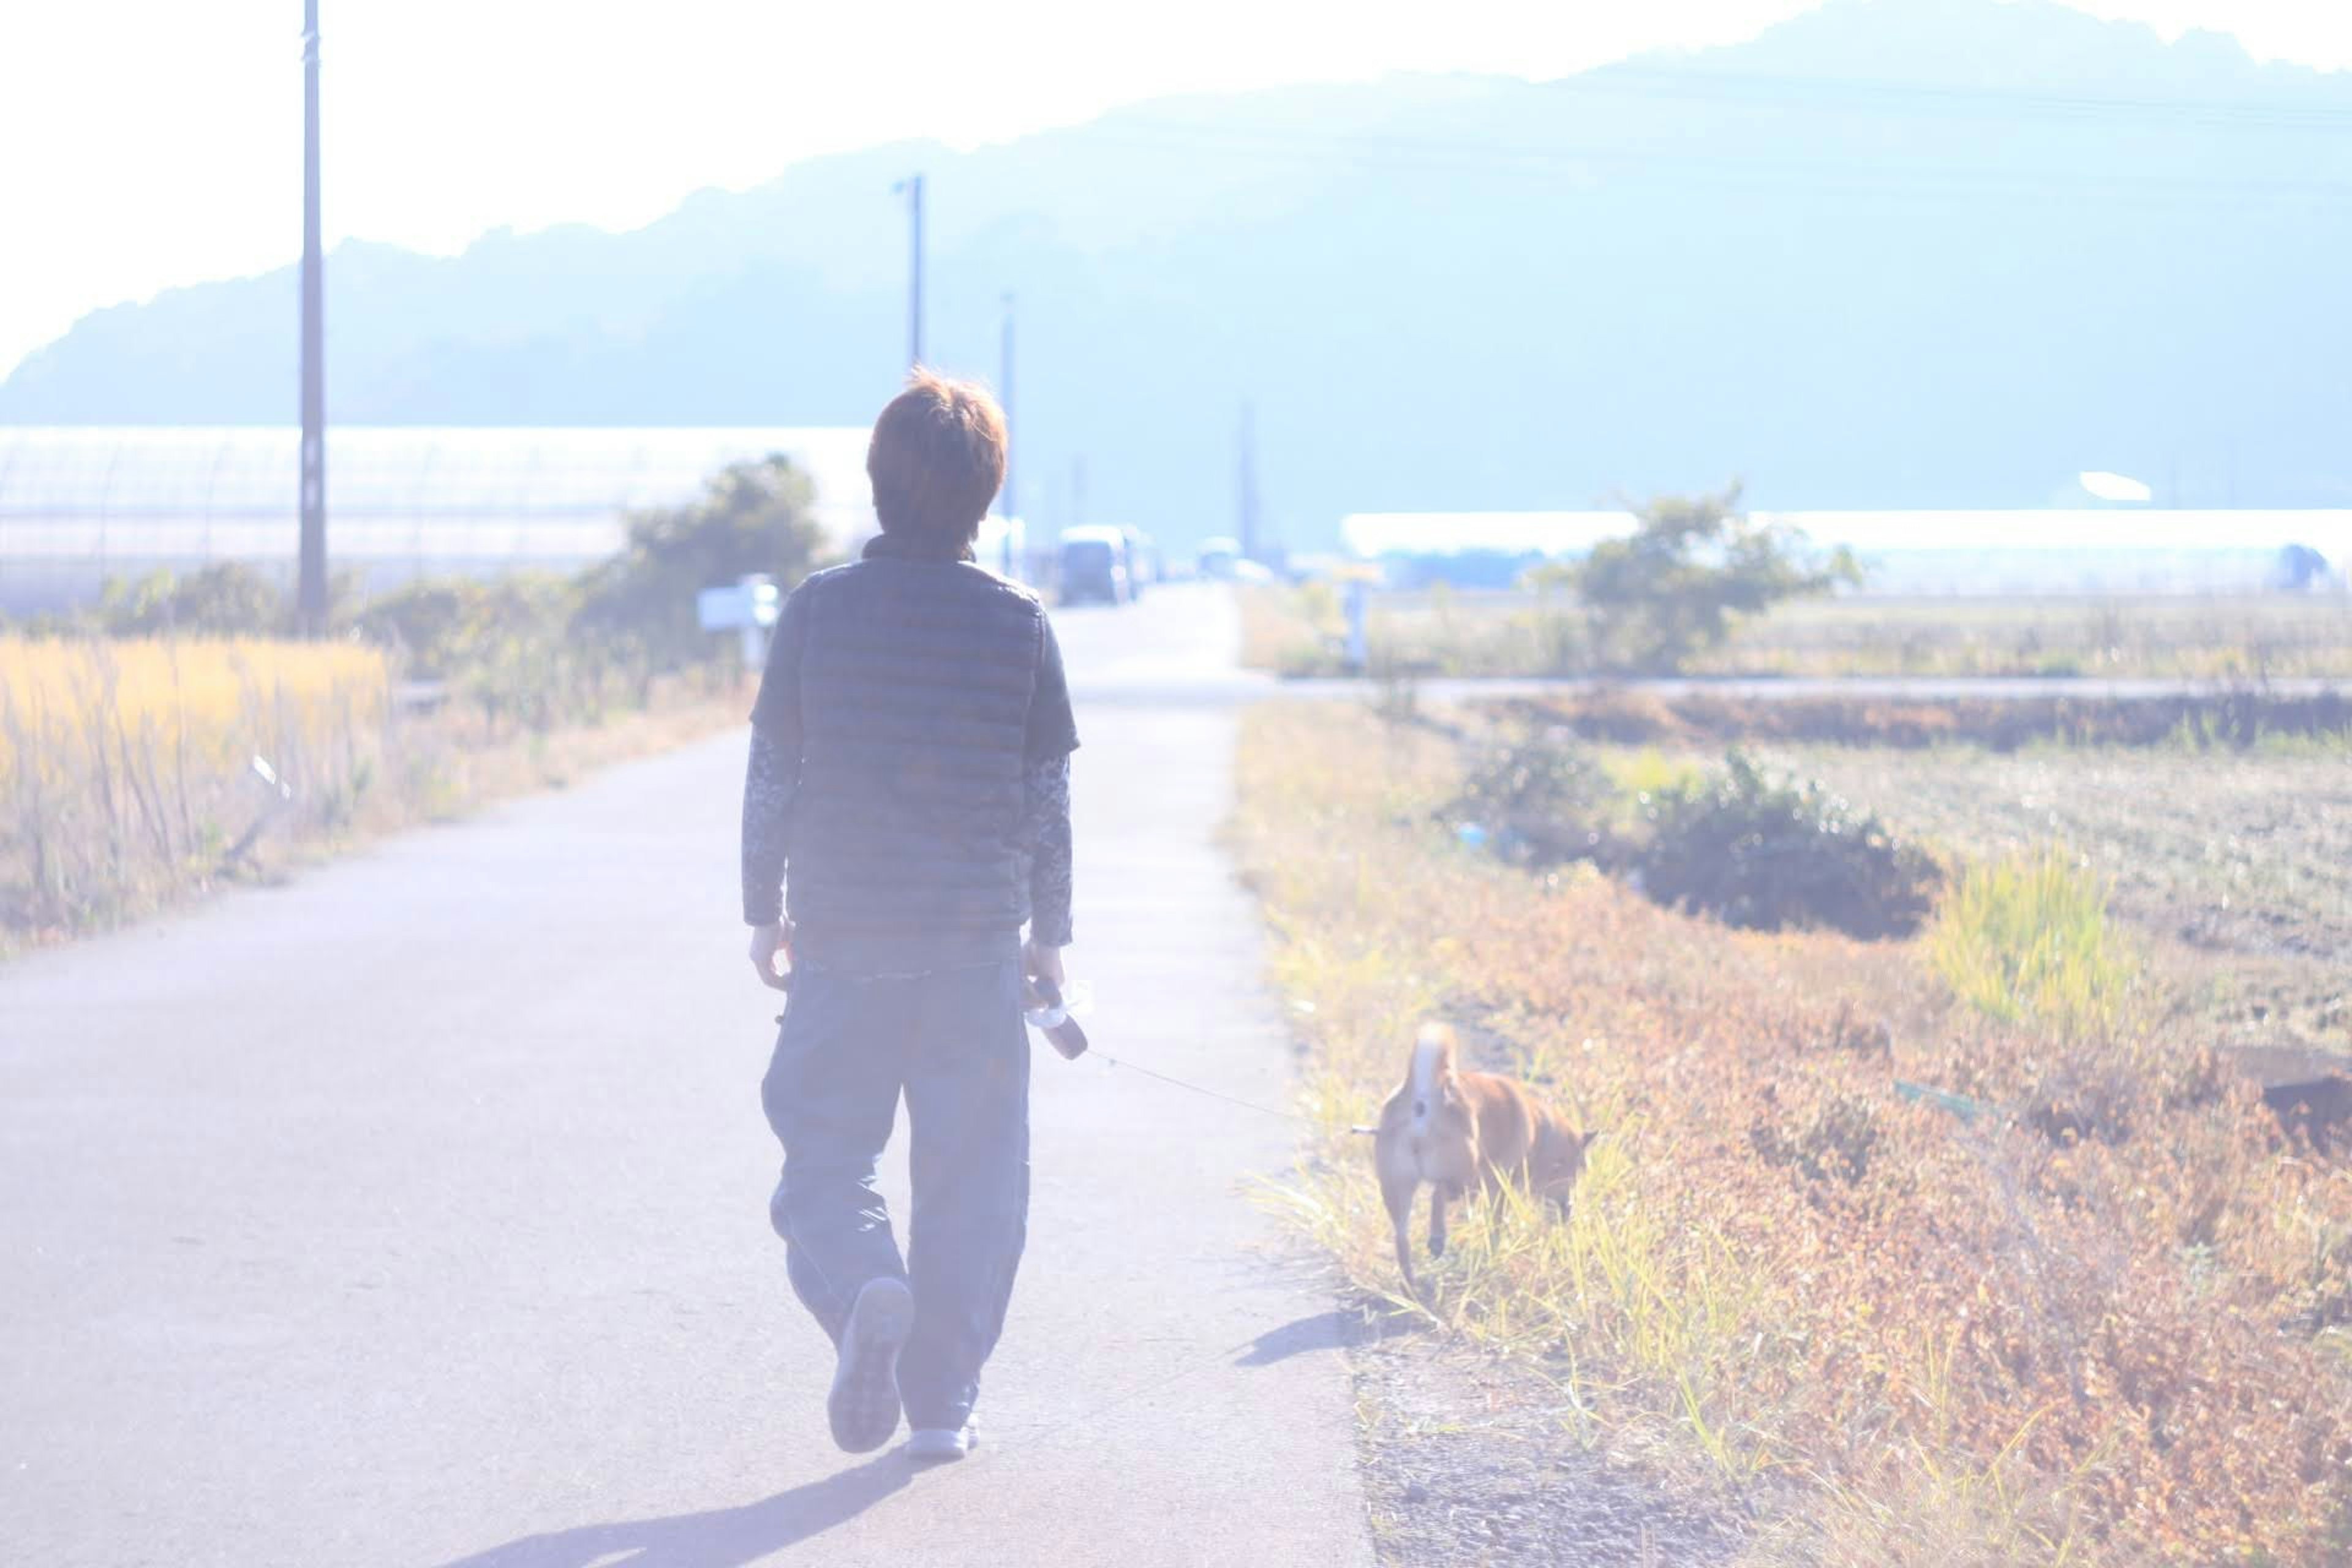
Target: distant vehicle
[
  {"x": 1093, "y": 567},
  {"x": 1219, "y": 556},
  {"x": 1142, "y": 560}
]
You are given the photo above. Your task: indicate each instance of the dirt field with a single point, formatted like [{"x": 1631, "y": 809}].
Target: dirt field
[{"x": 2240, "y": 863}]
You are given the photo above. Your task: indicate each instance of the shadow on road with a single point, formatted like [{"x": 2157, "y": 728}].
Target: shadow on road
[
  {"x": 1331, "y": 1330},
  {"x": 720, "y": 1538}
]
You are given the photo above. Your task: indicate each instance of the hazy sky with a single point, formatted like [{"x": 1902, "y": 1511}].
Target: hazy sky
[{"x": 153, "y": 142}]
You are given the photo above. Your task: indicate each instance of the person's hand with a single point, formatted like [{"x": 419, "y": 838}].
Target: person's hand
[
  {"x": 767, "y": 942},
  {"x": 1040, "y": 963}
]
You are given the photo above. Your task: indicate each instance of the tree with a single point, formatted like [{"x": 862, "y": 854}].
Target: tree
[
  {"x": 2299, "y": 569},
  {"x": 752, "y": 516},
  {"x": 1691, "y": 567}
]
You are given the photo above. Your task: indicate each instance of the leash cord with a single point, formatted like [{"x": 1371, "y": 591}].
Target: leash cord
[{"x": 1109, "y": 1060}]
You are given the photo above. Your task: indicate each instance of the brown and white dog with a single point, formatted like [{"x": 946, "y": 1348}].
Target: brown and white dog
[{"x": 1451, "y": 1128}]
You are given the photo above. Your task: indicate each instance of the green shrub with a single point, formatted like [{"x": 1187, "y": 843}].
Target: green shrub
[
  {"x": 1767, "y": 853},
  {"x": 227, "y": 598},
  {"x": 506, "y": 644},
  {"x": 1531, "y": 794},
  {"x": 2028, "y": 940},
  {"x": 433, "y": 622}
]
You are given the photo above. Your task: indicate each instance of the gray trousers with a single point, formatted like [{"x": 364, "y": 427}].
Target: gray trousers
[{"x": 954, "y": 1043}]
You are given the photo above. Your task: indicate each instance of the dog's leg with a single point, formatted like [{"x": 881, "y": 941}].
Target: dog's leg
[
  {"x": 1439, "y": 1192},
  {"x": 1398, "y": 1195}
]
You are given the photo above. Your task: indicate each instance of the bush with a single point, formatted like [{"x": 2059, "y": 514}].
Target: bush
[
  {"x": 504, "y": 644},
  {"x": 435, "y": 622},
  {"x": 229, "y": 598},
  {"x": 1530, "y": 795},
  {"x": 1765, "y": 854}
]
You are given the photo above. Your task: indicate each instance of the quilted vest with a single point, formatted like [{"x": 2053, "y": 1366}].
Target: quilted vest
[{"x": 915, "y": 684}]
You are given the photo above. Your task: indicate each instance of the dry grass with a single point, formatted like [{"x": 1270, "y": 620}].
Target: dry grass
[
  {"x": 1490, "y": 633},
  {"x": 2183, "y": 636},
  {"x": 137, "y": 772},
  {"x": 2103, "y": 1325}
]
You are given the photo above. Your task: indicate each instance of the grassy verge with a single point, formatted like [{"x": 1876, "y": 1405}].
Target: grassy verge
[
  {"x": 2104, "y": 1322},
  {"x": 138, "y": 772}
]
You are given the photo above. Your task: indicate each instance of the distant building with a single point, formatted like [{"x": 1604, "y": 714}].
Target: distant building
[
  {"x": 1474, "y": 549},
  {"x": 2087, "y": 550},
  {"x": 80, "y": 504}
]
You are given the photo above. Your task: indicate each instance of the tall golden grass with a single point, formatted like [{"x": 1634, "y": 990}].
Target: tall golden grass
[
  {"x": 135, "y": 771},
  {"x": 2104, "y": 1324},
  {"x": 131, "y": 767}
]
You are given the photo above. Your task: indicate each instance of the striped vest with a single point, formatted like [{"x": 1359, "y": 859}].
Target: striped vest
[{"x": 915, "y": 684}]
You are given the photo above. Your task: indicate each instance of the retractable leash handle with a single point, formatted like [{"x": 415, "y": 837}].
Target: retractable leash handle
[{"x": 1053, "y": 1020}]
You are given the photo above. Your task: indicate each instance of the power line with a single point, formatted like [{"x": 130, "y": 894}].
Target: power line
[
  {"x": 1396, "y": 152},
  {"x": 1391, "y": 154},
  {"x": 1841, "y": 93}
]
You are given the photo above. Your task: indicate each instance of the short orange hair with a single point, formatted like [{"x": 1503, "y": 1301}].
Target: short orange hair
[{"x": 937, "y": 460}]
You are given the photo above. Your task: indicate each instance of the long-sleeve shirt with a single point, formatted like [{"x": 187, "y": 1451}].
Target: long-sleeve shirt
[{"x": 771, "y": 778}]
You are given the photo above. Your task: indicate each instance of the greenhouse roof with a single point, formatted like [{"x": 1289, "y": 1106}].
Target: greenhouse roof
[{"x": 515, "y": 491}]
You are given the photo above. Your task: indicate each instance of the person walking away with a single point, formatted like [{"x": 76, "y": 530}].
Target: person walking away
[{"x": 908, "y": 790}]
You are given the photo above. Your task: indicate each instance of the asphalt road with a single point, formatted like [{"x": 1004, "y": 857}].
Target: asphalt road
[{"x": 414, "y": 1212}]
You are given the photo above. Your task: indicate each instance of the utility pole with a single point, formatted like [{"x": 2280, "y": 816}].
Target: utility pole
[
  {"x": 310, "y": 598},
  {"x": 1077, "y": 491},
  {"x": 1246, "y": 522},
  {"x": 911, "y": 187},
  {"x": 1011, "y": 506}
]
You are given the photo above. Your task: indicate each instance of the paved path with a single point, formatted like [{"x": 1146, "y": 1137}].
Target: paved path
[{"x": 415, "y": 1213}]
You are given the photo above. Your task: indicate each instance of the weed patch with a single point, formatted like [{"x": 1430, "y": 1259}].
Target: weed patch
[{"x": 2028, "y": 940}]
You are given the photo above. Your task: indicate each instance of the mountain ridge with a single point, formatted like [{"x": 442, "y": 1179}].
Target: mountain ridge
[{"x": 1890, "y": 253}]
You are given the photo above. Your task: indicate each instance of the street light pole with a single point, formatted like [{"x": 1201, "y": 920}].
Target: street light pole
[
  {"x": 912, "y": 188},
  {"x": 310, "y": 598},
  {"x": 1246, "y": 500}
]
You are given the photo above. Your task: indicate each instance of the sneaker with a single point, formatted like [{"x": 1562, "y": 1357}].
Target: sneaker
[
  {"x": 863, "y": 1404},
  {"x": 940, "y": 1444}
]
